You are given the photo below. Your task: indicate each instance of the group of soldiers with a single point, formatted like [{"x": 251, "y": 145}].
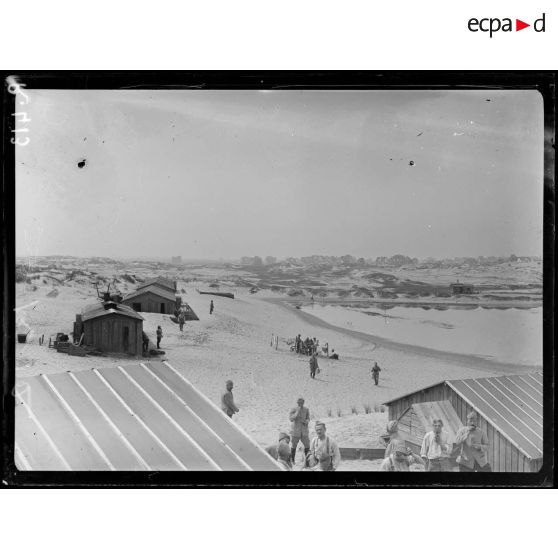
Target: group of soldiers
[
  {"x": 469, "y": 449},
  {"x": 320, "y": 454},
  {"x": 308, "y": 346}
]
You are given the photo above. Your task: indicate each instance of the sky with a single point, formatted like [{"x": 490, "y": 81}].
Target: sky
[{"x": 224, "y": 174}]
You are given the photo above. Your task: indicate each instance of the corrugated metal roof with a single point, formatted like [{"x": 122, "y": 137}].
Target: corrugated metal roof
[
  {"x": 97, "y": 310},
  {"x": 152, "y": 289},
  {"x": 143, "y": 416},
  {"x": 512, "y": 404}
]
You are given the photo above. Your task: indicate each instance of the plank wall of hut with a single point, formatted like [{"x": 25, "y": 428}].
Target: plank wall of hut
[
  {"x": 111, "y": 333},
  {"x": 148, "y": 301}
]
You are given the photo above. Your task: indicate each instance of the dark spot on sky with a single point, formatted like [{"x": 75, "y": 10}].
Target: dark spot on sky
[
  {"x": 81, "y": 164},
  {"x": 411, "y": 163},
  {"x": 84, "y": 139},
  {"x": 488, "y": 100},
  {"x": 418, "y": 135}
]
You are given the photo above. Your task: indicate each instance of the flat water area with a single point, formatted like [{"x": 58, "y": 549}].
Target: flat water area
[{"x": 504, "y": 335}]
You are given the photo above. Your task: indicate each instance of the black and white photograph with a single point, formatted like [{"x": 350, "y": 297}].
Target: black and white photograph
[{"x": 280, "y": 279}]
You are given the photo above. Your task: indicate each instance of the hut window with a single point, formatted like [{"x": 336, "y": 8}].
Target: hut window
[{"x": 126, "y": 338}]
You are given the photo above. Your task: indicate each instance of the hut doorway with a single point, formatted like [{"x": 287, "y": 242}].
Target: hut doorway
[
  {"x": 136, "y": 306},
  {"x": 162, "y": 308},
  {"x": 126, "y": 338}
]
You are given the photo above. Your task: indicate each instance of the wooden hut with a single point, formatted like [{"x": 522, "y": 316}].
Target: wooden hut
[
  {"x": 462, "y": 288},
  {"x": 152, "y": 298},
  {"x": 509, "y": 410},
  {"x": 110, "y": 327}
]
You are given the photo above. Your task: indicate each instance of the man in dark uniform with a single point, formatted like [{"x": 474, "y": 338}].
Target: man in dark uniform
[
  {"x": 313, "y": 365},
  {"x": 376, "y": 373}
]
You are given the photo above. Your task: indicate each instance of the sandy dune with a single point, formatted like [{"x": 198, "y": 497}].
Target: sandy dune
[{"x": 235, "y": 343}]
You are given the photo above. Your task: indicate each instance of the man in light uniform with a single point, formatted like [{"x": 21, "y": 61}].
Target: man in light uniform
[
  {"x": 474, "y": 447},
  {"x": 300, "y": 419},
  {"x": 323, "y": 444},
  {"x": 436, "y": 448}
]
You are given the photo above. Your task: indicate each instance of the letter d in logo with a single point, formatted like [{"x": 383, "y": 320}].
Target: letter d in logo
[{"x": 539, "y": 24}]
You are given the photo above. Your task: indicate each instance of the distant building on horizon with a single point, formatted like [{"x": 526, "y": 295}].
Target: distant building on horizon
[{"x": 462, "y": 288}]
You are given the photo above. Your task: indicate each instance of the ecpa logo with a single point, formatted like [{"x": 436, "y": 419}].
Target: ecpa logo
[{"x": 494, "y": 24}]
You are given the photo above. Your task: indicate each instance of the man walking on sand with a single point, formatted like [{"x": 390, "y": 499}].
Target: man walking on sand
[
  {"x": 159, "y": 336},
  {"x": 211, "y": 307},
  {"x": 436, "y": 448},
  {"x": 313, "y": 365},
  {"x": 300, "y": 419},
  {"x": 376, "y": 373},
  {"x": 227, "y": 400},
  {"x": 181, "y": 320},
  {"x": 473, "y": 444},
  {"x": 323, "y": 444}
]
